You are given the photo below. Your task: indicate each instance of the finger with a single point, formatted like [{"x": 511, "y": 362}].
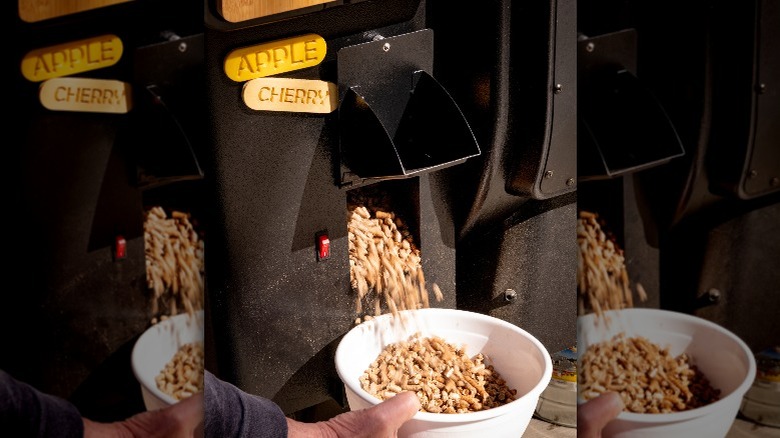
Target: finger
[
  {"x": 180, "y": 420},
  {"x": 594, "y": 415},
  {"x": 382, "y": 420},
  {"x": 188, "y": 412},
  {"x": 387, "y": 417},
  {"x": 396, "y": 410}
]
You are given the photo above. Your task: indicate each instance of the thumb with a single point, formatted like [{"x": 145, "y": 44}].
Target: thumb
[
  {"x": 381, "y": 420},
  {"x": 595, "y": 414},
  {"x": 397, "y": 410},
  {"x": 182, "y": 419}
]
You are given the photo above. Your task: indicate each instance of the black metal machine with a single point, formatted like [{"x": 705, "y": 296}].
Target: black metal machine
[
  {"x": 464, "y": 117},
  {"x": 79, "y": 181},
  {"x": 467, "y": 126},
  {"x": 690, "y": 185},
  {"x": 486, "y": 127}
]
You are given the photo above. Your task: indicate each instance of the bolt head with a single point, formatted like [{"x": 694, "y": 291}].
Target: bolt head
[{"x": 713, "y": 295}]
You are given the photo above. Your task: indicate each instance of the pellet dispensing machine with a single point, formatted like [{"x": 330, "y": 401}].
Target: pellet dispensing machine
[{"x": 464, "y": 119}]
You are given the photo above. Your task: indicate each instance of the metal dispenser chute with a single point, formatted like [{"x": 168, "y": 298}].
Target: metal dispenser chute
[
  {"x": 396, "y": 120},
  {"x": 623, "y": 127}
]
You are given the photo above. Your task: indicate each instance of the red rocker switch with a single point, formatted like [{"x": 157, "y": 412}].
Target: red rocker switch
[
  {"x": 120, "y": 248},
  {"x": 323, "y": 246}
]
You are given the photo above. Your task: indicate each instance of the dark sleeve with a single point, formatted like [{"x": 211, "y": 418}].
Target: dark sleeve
[
  {"x": 232, "y": 413},
  {"x": 27, "y": 412}
]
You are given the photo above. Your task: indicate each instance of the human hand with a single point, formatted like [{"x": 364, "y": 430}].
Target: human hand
[
  {"x": 181, "y": 420},
  {"x": 380, "y": 421},
  {"x": 594, "y": 415}
]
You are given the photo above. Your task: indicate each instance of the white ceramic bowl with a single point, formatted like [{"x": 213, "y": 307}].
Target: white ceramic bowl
[
  {"x": 719, "y": 354},
  {"x": 155, "y": 347},
  {"x": 517, "y": 356}
]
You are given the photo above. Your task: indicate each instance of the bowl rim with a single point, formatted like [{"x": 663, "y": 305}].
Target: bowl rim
[
  {"x": 135, "y": 359},
  {"x": 690, "y": 413},
  {"x": 460, "y": 417}
]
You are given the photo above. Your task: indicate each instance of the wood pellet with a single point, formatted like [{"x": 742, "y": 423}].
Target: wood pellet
[
  {"x": 445, "y": 379},
  {"x": 174, "y": 263},
  {"x": 602, "y": 278},
  {"x": 384, "y": 263},
  {"x": 182, "y": 376},
  {"x": 648, "y": 378}
]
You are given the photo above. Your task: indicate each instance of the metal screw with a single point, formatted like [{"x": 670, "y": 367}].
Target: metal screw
[
  {"x": 708, "y": 298},
  {"x": 510, "y": 295},
  {"x": 590, "y": 47},
  {"x": 182, "y": 47},
  {"x": 774, "y": 181},
  {"x": 548, "y": 174},
  {"x": 169, "y": 35},
  {"x": 713, "y": 295},
  {"x": 386, "y": 47},
  {"x": 570, "y": 182},
  {"x": 753, "y": 173},
  {"x": 558, "y": 88},
  {"x": 761, "y": 88}
]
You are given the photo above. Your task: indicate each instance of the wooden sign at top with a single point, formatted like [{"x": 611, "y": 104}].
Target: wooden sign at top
[
  {"x": 241, "y": 10},
  {"x": 32, "y": 11}
]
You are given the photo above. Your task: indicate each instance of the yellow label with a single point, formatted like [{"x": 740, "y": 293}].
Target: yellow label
[
  {"x": 294, "y": 95},
  {"x": 71, "y": 58},
  {"x": 568, "y": 376},
  {"x": 86, "y": 95},
  {"x": 768, "y": 376},
  {"x": 275, "y": 57}
]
